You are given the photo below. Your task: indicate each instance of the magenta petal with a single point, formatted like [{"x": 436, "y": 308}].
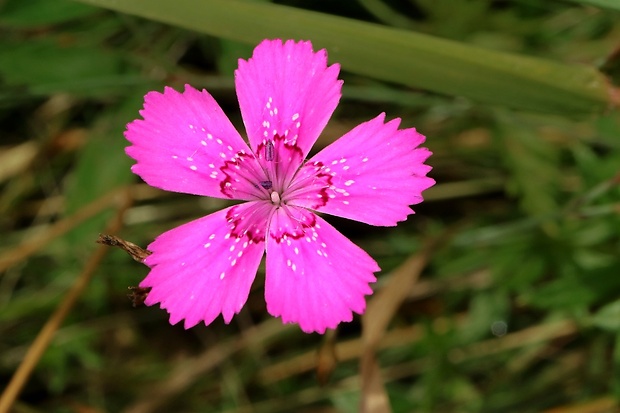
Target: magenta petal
[
  {"x": 206, "y": 267},
  {"x": 371, "y": 174},
  {"x": 187, "y": 144},
  {"x": 287, "y": 90},
  {"x": 315, "y": 276}
]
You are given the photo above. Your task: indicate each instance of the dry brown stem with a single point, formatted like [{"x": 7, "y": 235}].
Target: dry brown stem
[
  {"x": 34, "y": 244},
  {"x": 45, "y": 336}
]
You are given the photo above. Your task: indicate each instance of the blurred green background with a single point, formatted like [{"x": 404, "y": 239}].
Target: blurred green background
[{"x": 517, "y": 308}]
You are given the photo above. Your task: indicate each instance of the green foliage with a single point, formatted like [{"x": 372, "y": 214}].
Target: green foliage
[
  {"x": 36, "y": 13},
  {"x": 518, "y": 309},
  {"x": 406, "y": 57},
  {"x": 608, "y": 317}
]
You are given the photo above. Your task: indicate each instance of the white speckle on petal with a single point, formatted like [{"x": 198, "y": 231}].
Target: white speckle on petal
[
  {"x": 222, "y": 275},
  {"x": 294, "y": 267},
  {"x": 349, "y": 182},
  {"x": 175, "y": 157},
  {"x": 193, "y": 167},
  {"x": 295, "y": 117},
  {"x": 211, "y": 236},
  {"x": 365, "y": 160},
  {"x": 207, "y": 245},
  {"x": 203, "y": 143},
  {"x": 296, "y": 250}
]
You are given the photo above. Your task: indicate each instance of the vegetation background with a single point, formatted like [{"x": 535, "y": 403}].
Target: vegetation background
[{"x": 502, "y": 294}]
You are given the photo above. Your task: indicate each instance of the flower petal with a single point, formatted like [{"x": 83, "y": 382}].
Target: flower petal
[
  {"x": 371, "y": 174},
  {"x": 187, "y": 144},
  {"x": 206, "y": 267},
  {"x": 315, "y": 275},
  {"x": 286, "y": 90}
]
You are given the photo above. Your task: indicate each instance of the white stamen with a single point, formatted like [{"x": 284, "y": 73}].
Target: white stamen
[{"x": 275, "y": 198}]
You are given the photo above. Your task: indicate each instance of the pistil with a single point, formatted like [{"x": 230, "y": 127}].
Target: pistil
[{"x": 275, "y": 198}]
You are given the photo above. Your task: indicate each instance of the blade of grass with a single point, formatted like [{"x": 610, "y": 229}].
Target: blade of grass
[
  {"x": 400, "y": 56},
  {"x": 29, "y": 247},
  {"x": 186, "y": 372},
  {"x": 606, "y": 4},
  {"x": 381, "y": 309},
  {"x": 45, "y": 336}
]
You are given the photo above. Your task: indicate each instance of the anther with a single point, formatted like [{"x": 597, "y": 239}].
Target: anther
[{"x": 269, "y": 151}]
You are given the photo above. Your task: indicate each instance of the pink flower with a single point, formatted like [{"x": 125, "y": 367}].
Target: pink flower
[{"x": 315, "y": 276}]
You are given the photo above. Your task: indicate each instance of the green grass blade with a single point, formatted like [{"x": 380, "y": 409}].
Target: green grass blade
[
  {"x": 605, "y": 4},
  {"x": 394, "y": 55}
]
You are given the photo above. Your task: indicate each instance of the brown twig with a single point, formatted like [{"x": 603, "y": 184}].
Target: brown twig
[
  {"x": 32, "y": 245},
  {"x": 326, "y": 358},
  {"x": 137, "y": 253},
  {"x": 137, "y": 294},
  {"x": 45, "y": 336},
  {"x": 190, "y": 370},
  {"x": 381, "y": 309}
]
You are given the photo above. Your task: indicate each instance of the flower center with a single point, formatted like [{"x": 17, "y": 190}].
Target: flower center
[{"x": 275, "y": 198}]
